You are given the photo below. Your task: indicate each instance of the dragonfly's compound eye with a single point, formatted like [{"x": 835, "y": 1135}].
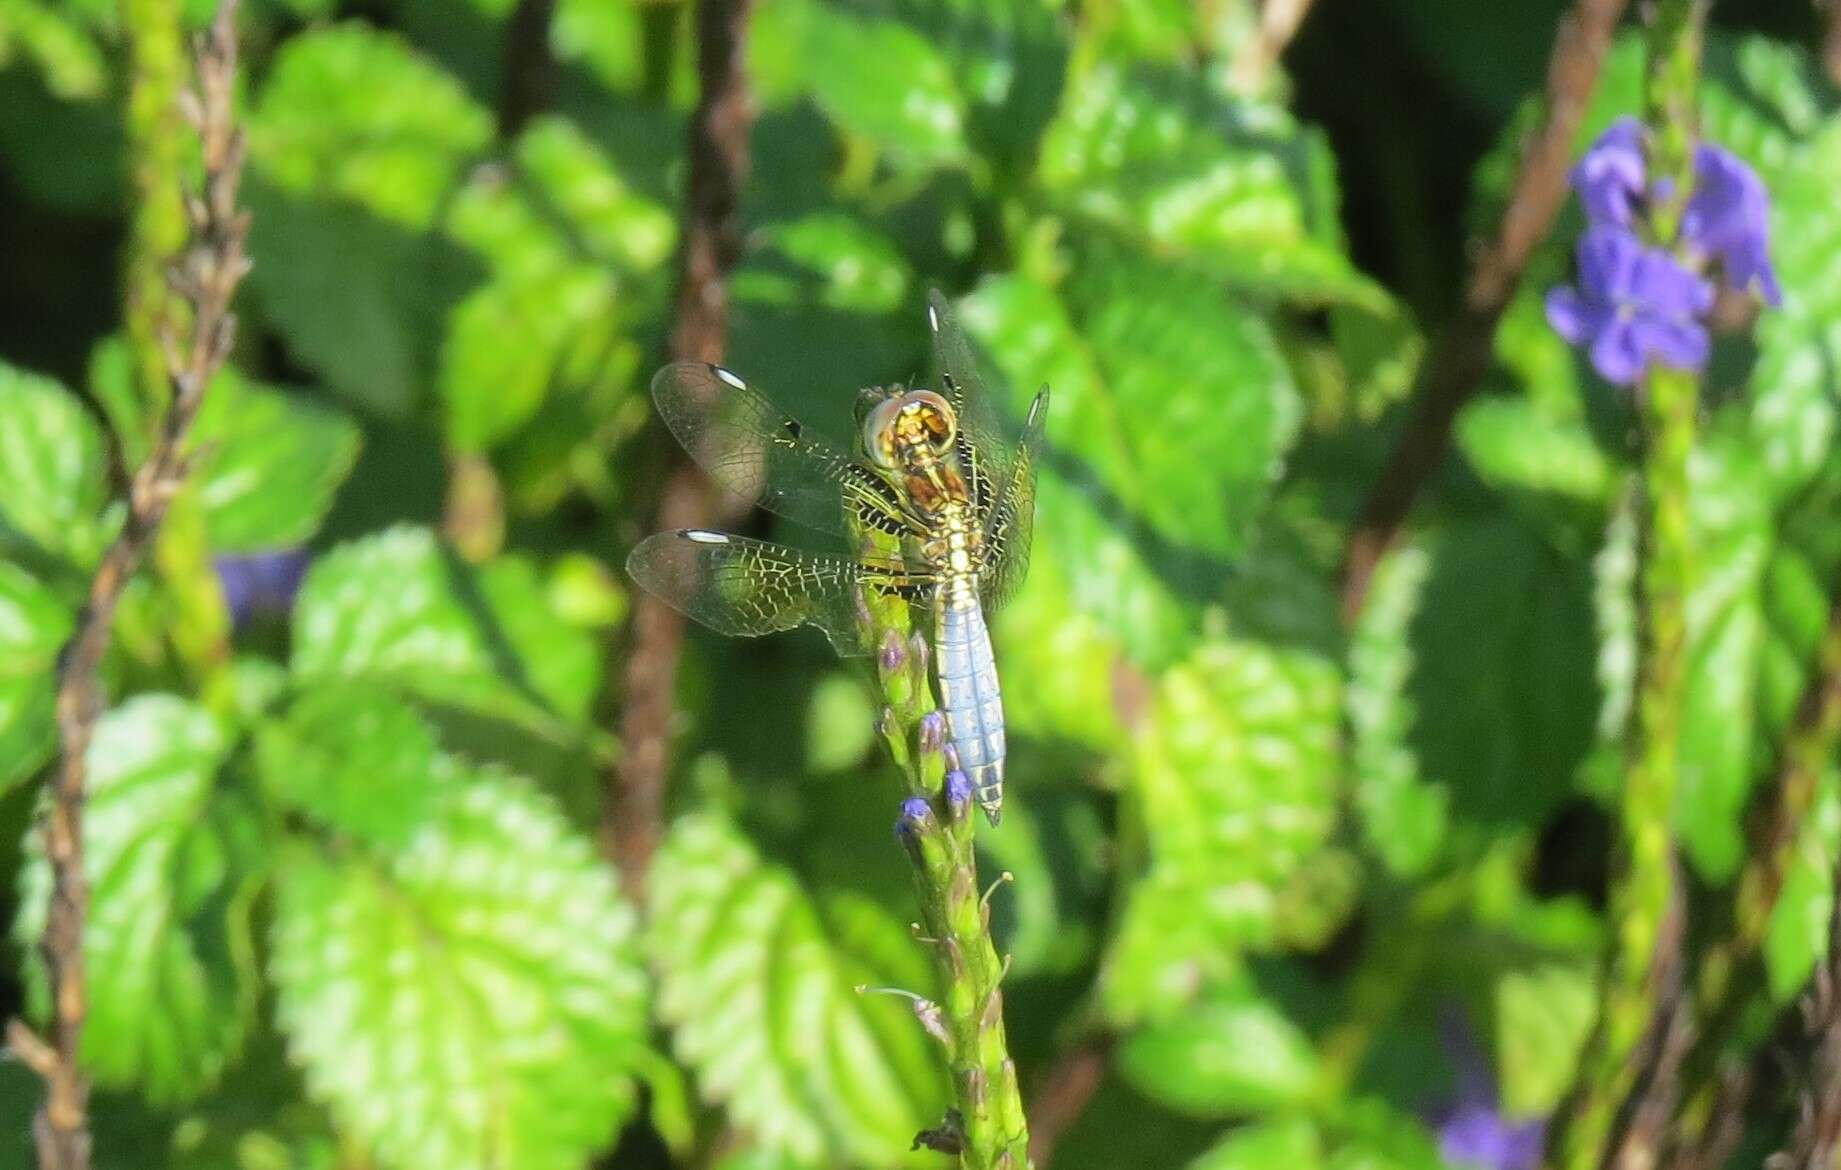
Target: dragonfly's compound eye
[
  {"x": 879, "y": 434},
  {"x": 896, "y": 431},
  {"x": 933, "y": 420}
]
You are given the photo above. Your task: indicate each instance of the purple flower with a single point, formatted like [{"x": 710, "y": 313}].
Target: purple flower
[
  {"x": 1476, "y": 1134},
  {"x": 1473, "y": 1132},
  {"x": 892, "y": 656},
  {"x": 1728, "y": 219},
  {"x": 958, "y": 793},
  {"x": 932, "y": 731},
  {"x": 260, "y": 584},
  {"x": 1634, "y": 305},
  {"x": 1611, "y": 177},
  {"x": 916, "y": 817}
]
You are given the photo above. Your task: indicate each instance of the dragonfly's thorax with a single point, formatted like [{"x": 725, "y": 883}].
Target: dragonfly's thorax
[{"x": 910, "y": 436}]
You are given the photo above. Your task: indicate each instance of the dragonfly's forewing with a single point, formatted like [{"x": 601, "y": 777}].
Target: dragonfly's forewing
[
  {"x": 1011, "y": 524},
  {"x": 984, "y": 456},
  {"x": 745, "y": 587},
  {"x": 764, "y": 455}
]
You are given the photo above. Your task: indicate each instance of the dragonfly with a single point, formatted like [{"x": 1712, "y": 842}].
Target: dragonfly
[{"x": 931, "y": 470}]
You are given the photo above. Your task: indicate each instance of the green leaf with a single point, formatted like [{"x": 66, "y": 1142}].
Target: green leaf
[
  {"x": 821, "y": 284},
  {"x": 845, "y": 60},
  {"x": 1156, "y": 485},
  {"x": 1403, "y": 819},
  {"x": 400, "y": 608},
  {"x": 65, "y": 52},
  {"x": 559, "y": 202},
  {"x": 1364, "y": 1134},
  {"x": 1514, "y": 446},
  {"x": 563, "y": 324},
  {"x": 1221, "y": 1057},
  {"x": 1165, "y": 158},
  {"x": 1544, "y": 1015},
  {"x": 1009, "y": 58},
  {"x": 1291, "y": 1142},
  {"x": 758, "y": 989},
  {"x": 277, "y": 459},
  {"x": 355, "y": 759},
  {"x": 34, "y": 623},
  {"x": 1069, "y": 660},
  {"x": 561, "y": 233},
  {"x": 352, "y": 112},
  {"x": 1502, "y": 684},
  {"x": 359, "y": 299},
  {"x": 170, "y": 992},
  {"x": 840, "y": 724},
  {"x": 1756, "y": 611},
  {"x": 1235, "y": 774},
  {"x": 53, "y": 473},
  {"x": 1373, "y": 1135},
  {"x": 473, "y": 1000},
  {"x": 1797, "y": 936}
]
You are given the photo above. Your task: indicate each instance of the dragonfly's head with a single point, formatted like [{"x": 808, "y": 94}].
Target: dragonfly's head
[{"x": 901, "y": 426}]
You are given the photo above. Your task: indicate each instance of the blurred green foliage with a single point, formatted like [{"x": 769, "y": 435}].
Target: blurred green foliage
[{"x": 348, "y": 905}]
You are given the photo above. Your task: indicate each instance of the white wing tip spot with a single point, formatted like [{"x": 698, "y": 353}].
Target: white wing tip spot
[
  {"x": 730, "y": 378},
  {"x": 933, "y": 319},
  {"x": 704, "y": 536}
]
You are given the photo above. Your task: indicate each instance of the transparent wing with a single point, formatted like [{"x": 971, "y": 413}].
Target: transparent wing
[
  {"x": 1012, "y": 521},
  {"x": 764, "y": 455},
  {"x": 746, "y": 587},
  {"x": 983, "y": 455}
]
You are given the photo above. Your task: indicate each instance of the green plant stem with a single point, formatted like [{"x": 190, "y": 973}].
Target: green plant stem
[
  {"x": 988, "y": 1126},
  {"x": 158, "y": 144},
  {"x": 1644, "y": 900},
  {"x": 157, "y": 231}
]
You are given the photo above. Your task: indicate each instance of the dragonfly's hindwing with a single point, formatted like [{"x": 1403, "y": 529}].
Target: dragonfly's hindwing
[{"x": 974, "y": 707}]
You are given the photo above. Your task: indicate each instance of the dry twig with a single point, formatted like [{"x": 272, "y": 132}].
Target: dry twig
[
  {"x": 205, "y": 278},
  {"x": 712, "y": 245},
  {"x": 1816, "y": 1142},
  {"x": 1279, "y": 21},
  {"x": 1461, "y": 357},
  {"x": 1064, "y": 1095}
]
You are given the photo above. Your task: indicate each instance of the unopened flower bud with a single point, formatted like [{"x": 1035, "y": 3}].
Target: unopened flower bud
[
  {"x": 958, "y": 793},
  {"x": 932, "y": 731}
]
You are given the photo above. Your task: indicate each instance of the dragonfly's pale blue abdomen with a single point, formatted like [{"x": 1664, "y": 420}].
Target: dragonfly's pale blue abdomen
[{"x": 974, "y": 707}]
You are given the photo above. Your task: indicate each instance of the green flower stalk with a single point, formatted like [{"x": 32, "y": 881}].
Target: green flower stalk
[
  {"x": 986, "y": 1128},
  {"x": 1645, "y": 896},
  {"x": 159, "y": 147}
]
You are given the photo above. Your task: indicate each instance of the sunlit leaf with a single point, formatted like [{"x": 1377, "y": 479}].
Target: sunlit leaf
[
  {"x": 276, "y": 460},
  {"x": 759, "y": 992},
  {"x": 1544, "y": 1015},
  {"x": 170, "y": 991},
  {"x": 1226, "y": 1055},
  {"x": 473, "y": 1000},
  {"x": 1403, "y": 819},
  {"x": 1235, "y": 774},
  {"x": 1291, "y": 1142},
  {"x": 1797, "y": 936},
  {"x": 1149, "y": 476},
  {"x": 53, "y": 472},
  {"x": 876, "y": 78},
  {"x": 1168, "y": 159},
  {"x": 65, "y": 51},
  {"x": 400, "y": 608},
  {"x": 354, "y": 758},
  {"x": 34, "y": 623},
  {"x": 352, "y": 112}
]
